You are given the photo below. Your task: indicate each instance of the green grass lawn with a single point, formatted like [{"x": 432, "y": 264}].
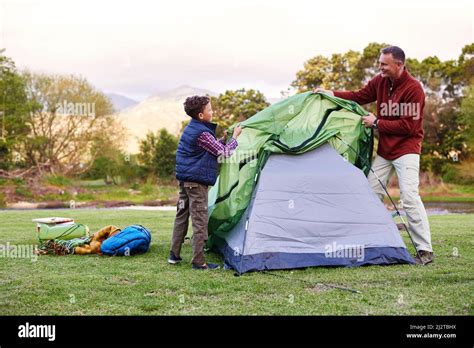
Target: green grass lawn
[{"x": 147, "y": 285}]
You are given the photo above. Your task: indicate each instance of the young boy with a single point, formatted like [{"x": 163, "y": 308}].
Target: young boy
[{"x": 196, "y": 169}]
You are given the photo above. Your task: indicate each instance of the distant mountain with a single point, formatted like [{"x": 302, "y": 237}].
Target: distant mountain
[
  {"x": 163, "y": 110},
  {"x": 121, "y": 102},
  {"x": 182, "y": 92}
]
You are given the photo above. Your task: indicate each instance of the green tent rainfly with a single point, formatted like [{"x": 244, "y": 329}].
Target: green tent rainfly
[{"x": 296, "y": 125}]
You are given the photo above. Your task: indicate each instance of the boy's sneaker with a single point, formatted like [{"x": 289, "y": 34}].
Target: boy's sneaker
[
  {"x": 206, "y": 266},
  {"x": 173, "y": 259}
]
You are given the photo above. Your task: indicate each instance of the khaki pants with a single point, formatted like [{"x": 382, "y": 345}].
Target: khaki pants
[
  {"x": 407, "y": 168},
  {"x": 192, "y": 202}
]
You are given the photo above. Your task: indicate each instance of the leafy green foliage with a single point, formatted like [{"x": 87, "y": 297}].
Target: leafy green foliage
[
  {"x": 467, "y": 115},
  {"x": 164, "y": 159},
  {"x": 236, "y": 106},
  {"x": 158, "y": 153},
  {"x": 349, "y": 70},
  {"x": 14, "y": 109},
  {"x": 57, "y": 180}
]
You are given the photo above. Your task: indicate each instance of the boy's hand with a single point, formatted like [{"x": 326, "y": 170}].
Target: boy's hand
[{"x": 237, "y": 131}]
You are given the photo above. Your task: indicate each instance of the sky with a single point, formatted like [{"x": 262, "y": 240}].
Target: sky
[{"x": 139, "y": 48}]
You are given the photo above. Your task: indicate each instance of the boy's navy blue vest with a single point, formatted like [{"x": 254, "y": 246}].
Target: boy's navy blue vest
[{"x": 193, "y": 163}]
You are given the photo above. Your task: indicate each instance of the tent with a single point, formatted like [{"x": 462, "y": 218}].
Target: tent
[{"x": 295, "y": 194}]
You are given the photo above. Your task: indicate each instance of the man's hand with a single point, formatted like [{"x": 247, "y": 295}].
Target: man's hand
[
  {"x": 237, "y": 131},
  {"x": 320, "y": 90},
  {"x": 368, "y": 120}
]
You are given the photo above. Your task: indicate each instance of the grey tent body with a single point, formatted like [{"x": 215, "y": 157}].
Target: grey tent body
[{"x": 313, "y": 209}]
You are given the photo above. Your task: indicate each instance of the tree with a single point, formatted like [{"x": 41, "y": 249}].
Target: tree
[
  {"x": 68, "y": 116},
  {"x": 438, "y": 78},
  {"x": 368, "y": 64},
  {"x": 446, "y": 121},
  {"x": 313, "y": 74},
  {"x": 158, "y": 154},
  {"x": 342, "y": 72},
  {"x": 165, "y": 154},
  {"x": 15, "y": 108},
  {"x": 467, "y": 115},
  {"x": 111, "y": 163},
  {"x": 236, "y": 106},
  {"x": 147, "y": 152},
  {"x": 466, "y": 64},
  {"x": 347, "y": 71}
]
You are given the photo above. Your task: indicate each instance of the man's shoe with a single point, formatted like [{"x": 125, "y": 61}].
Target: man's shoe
[
  {"x": 206, "y": 266},
  {"x": 424, "y": 258},
  {"x": 173, "y": 259}
]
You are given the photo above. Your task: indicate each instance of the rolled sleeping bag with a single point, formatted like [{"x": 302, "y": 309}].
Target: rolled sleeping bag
[{"x": 134, "y": 239}]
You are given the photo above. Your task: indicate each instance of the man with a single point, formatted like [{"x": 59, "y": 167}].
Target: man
[{"x": 399, "y": 121}]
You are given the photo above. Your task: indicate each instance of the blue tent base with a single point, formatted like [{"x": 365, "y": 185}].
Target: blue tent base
[{"x": 281, "y": 260}]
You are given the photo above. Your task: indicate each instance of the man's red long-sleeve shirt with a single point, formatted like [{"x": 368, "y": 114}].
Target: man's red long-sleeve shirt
[{"x": 399, "y": 111}]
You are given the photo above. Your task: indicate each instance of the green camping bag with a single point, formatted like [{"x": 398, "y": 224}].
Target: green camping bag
[{"x": 62, "y": 231}]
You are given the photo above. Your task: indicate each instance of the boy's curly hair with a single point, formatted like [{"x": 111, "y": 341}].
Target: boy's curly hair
[{"x": 195, "y": 104}]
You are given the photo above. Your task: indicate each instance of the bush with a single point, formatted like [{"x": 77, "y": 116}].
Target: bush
[
  {"x": 158, "y": 154},
  {"x": 66, "y": 196},
  {"x": 3, "y": 200},
  {"x": 433, "y": 164},
  {"x": 18, "y": 181},
  {"x": 23, "y": 191},
  {"x": 450, "y": 173},
  {"x": 85, "y": 197},
  {"x": 135, "y": 186},
  {"x": 457, "y": 174},
  {"x": 122, "y": 168},
  {"x": 57, "y": 180},
  {"x": 148, "y": 187},
  {"x": 165, "y": 154}
]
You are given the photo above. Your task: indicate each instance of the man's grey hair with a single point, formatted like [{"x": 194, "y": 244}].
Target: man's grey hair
[{"x": 396, "y": 52}]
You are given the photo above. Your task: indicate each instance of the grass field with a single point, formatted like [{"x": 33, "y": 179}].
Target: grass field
[{"x": 147, "y": 285}]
